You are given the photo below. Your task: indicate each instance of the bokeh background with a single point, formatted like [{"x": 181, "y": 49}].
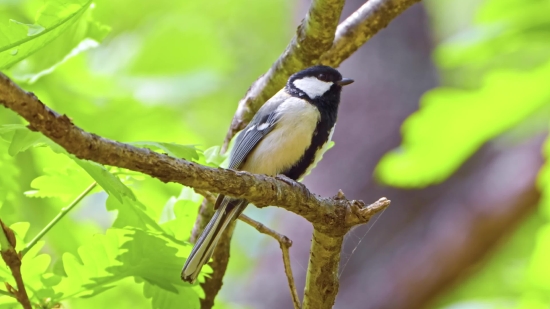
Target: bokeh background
[{"x": 448, "y": 118}]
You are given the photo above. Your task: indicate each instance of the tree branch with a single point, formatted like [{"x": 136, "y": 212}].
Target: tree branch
[
  {"x": 260, "y": 190},
  {"x": 285, "y": 243},
  {"x": 13, "y": 260},
  {"x": 322, "y": 272},
  {"x": 362, "y": 25},
  {"x": 310, "y": 46}
]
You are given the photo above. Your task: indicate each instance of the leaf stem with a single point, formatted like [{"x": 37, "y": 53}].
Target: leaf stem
[{"x": 57, "y": 218}]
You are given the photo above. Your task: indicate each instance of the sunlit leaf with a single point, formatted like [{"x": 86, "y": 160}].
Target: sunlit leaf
[
  {"x": 65, "y": 184},
  {"x": 109, "y": 182},
  {"x": 20, "y": 40},
  {"x": 453, "y": 123},
  {"x": 121, "y": 253}
]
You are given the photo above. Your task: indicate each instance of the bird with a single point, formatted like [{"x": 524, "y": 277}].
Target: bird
[{"x": 286, "y": 138}]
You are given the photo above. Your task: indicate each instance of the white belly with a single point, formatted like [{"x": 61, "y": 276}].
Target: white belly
[{"x": 287, "y": 142}]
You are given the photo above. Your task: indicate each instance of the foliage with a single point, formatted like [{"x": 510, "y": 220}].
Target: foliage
[
  {"x": 460, "y": 120},
  {"x": 499, "y": 70},
  {"x": 146, "y": 73}
]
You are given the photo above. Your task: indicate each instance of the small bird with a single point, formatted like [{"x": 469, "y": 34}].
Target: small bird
[{"x": 285, "y": 137}]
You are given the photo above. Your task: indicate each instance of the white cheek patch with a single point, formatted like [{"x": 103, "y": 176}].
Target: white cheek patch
[{"x": 312, "y": 86}]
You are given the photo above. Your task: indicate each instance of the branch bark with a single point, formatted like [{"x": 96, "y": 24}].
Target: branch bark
[
  {"x": 362, "y": 25},
  {"x": 13, "y": 260}
]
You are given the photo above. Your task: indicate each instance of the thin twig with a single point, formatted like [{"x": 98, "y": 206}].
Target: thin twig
[
  {"x": 60, "y": 215},
  {"x": 285, "y": 243},
  {"x": 13, "y": 260}
]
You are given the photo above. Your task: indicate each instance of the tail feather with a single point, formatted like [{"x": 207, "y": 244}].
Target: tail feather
[{"x": 229, "y": 209}]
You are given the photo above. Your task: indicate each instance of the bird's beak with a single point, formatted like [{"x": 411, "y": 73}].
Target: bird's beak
[{"x": 345, "y": 81}]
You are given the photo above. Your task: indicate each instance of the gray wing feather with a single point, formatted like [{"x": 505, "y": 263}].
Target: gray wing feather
[{"x": 248, "y": 139}]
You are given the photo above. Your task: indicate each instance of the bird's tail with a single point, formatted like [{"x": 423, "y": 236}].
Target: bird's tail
[{"x": 228, "y": 209}]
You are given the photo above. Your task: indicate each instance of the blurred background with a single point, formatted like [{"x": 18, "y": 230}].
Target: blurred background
[{"x": 447, "y": 118}]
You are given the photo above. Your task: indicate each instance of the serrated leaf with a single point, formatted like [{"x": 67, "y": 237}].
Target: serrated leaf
[
  {"x": 183, "y": 297},
  {"x": 187, "y": 152},
  {"x": 55, "y": 17},
  {"x": 214, "y": 157},
  {"x": 149, "y": 256},
  {"x": 183, "y": 213},
  {"x": 20, "y": 138},
  {"x": 83, "y": 35},
  {"x": 33, "y": 266},
  {"x": 109, "y": 182},
  {"x": 63, "y": 183},
  {"x": 131, "y": 213}
]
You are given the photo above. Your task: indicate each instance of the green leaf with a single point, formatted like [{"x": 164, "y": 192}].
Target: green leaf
[
  {"x": 121, "y": 253},
  {"x": 34, "y": 267},
  {"x": 453, "y": 123},
  {"x": 20, "y": 138},
  {"x": 182, "y": 297},
  {"x": 183, "y": 212},
  {"x": 83, "y": 35},
  {"x": 188, "y": 152},
  {"x": 64, "y": 183},
  {"x": 131, "y": 213},
  {"x": 507, "y": 33},
  {"x": 214, "y": 157},
  {"x": 109, "y": 182},
  {"x": 19, "y": 40}
]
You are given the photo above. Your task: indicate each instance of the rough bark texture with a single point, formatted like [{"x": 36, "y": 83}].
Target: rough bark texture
[
  {"x": 362, "y": 25},
  {"x": 322, "y": 272}
]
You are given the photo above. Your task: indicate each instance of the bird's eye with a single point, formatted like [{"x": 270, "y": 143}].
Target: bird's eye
[{"x": 321, "y": 76}]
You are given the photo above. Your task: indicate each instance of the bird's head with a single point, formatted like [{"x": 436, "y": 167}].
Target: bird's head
[{"x": 317, "y": 82}]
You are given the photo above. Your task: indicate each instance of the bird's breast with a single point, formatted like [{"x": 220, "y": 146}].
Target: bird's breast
[{"x": 287, "y": 142}]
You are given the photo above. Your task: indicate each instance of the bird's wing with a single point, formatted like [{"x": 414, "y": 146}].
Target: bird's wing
[
  {"x": 260, "y": 126},
  {"x": 263, "y": 122}
]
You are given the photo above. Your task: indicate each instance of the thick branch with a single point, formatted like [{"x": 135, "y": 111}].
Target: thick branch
[
  {"x": 362, "y": 25},
  {"x": 313, "y": 37},
  {"x": 260, "y": 190}
]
